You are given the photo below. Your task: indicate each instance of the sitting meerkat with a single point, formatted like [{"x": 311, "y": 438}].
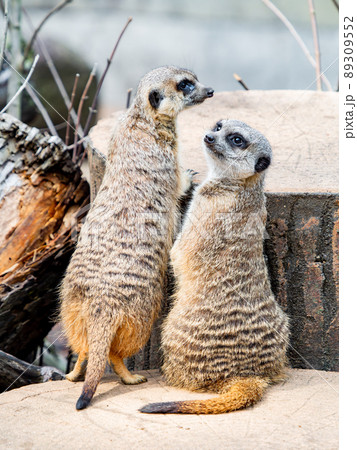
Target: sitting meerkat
[
  {"x": 225, "y": 332},
  {"x": 113, "y": 288}
]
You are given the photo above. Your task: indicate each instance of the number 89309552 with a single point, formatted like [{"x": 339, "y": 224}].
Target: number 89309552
[{"x": 348, "y": 47}]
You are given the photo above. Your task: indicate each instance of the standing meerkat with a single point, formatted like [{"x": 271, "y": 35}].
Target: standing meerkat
[
  {"x": 225, "y": 332},
  {"x": 113, "y": 288}
]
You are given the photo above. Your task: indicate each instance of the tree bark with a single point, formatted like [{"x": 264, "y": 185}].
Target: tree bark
[{"x": 42, "y": 196}]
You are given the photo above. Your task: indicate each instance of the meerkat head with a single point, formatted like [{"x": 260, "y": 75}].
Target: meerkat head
[
  {"x": 166, "y": 91},
  {"x": 235, "y": 150}
]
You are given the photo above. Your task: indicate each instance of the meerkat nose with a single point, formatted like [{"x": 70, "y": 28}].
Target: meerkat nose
[
  {"x": 210, "y": 92},
  {"x": 209, "y": 139}
]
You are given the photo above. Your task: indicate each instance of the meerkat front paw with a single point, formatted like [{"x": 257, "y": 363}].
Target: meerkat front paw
[
  {"x": 187, "y": 180},
  {"x": 134, "y": 378}
]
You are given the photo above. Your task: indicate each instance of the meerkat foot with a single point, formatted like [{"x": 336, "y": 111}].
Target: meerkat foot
[
  {"x": 123, "y": 373},
  {"x": 79, "y": 369},
  {"x": 134, "y": 378},
  {"x": 74, "y": 377}
]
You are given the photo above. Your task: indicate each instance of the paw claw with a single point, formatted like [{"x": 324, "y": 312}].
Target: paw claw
[
  {"x": 135, "y": 379},
  {"x": 188, "y": 180}
]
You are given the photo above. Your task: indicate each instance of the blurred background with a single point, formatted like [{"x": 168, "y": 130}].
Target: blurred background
[{"x": 213, "y": 38}]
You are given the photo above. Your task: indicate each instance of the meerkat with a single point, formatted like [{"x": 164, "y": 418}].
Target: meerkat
[
  {"x": 225, "y": 332},
  {"x": 113, "y": 288}
]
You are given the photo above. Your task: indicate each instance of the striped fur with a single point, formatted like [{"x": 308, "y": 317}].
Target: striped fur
[
  {"x": 225, "y": 332},
  {"x": 114, "y": 284}
]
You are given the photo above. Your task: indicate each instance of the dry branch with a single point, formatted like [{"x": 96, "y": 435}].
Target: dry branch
[
  {"x": 6, "y": 27},
  {"x": 336, "y": 4},
  {"x": 80, "y": 107},
  {"x": 239, "y": 79},
  {"x": 73, "y": 95},
  {"x": 22, "y": 87},
  {"x": 316, "y": 44},
  {"x": 298, "y": 39},
  {"x": 41, "y": 109},
  {"x": 37, "y": 30},
  {"x": 92, "y": 109},
  {"x": 54, "y": 72},
  {"x": 15, "y": 51},
  {"x": 128, "y": 98}
]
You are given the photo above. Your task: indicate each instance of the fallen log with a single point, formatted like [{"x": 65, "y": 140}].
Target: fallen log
[
  {"x": 15, "y": 373},
  {"x": 42, "y": 195}
]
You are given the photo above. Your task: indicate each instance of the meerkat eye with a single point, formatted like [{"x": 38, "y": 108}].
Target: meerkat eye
[
  {"x": 237, "y": 141},
  {"x": 218, "y": 126},
  {"x": 186, "y": 86}
]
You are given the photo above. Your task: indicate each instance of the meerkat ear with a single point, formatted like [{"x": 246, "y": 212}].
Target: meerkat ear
[
  {"x": 262, "y": 163},
  {"x": 155, "y": 99}
]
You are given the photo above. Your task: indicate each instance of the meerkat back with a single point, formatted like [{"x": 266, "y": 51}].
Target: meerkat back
[
  {"x": 225, "y": 332},
  {"x": 113, "y": 287}
]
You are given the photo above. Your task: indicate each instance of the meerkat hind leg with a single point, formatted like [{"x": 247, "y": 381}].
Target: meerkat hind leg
[
  {"x": 125, "y": 375},
  {"x": 79, "y": 370}
]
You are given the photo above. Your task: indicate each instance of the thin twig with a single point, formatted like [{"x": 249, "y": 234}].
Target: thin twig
[
  {"x": 92, "y": 109},
  {"x": 71, "y": 106},
  {"x": 22, "y": 87},
  {"x": 239, "y": 79},
  {"x": 80, "y": 107},
  {"x": 316, "y": 43},
  {"x": 58, "y": 81},
  {"x": 58, "y": 127},
  {"x": 84, "y": 152},
  {"x": 298, "y": 39},
  {"x": 71, "y": 147},
  {"x": 336, "y": 4},
  {"x": 128, "y": 98},
  {"x": 37, "y": 30},
  {"x": 6, "y": 27},
  {"x": 49, "y": 61},
  {"x": 39, "y": 94},
  {"x": 15, "y": 41},
  {"x": 42, "y": 109}
]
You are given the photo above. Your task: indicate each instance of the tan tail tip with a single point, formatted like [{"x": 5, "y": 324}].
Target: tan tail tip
[{"x": 161, "y": 408}]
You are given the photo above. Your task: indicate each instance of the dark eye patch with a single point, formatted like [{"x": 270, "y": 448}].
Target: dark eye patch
[
  {"x": 186, "y": 86},
  {"x": 218, "y": 126},
  {"x": 236, "y": 140}
]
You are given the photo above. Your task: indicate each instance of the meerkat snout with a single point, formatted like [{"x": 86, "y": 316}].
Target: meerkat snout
[
  {"x": 236, "y": 150},
  {"x": 209, "y": 139},
  {"x": 262, "y": 163},
  {"x": 209, "y": 92}
]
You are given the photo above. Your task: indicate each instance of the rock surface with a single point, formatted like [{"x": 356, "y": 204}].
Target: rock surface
[
  {"x": 301, "y": 126},
  {"x": 300, "y": 413}
]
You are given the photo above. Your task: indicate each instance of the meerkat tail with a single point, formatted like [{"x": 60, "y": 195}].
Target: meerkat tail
[
  {"x": 98, "y": 354},
  {"x": 241, "y": 394},
  {"x": 95, "y": 370}
]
